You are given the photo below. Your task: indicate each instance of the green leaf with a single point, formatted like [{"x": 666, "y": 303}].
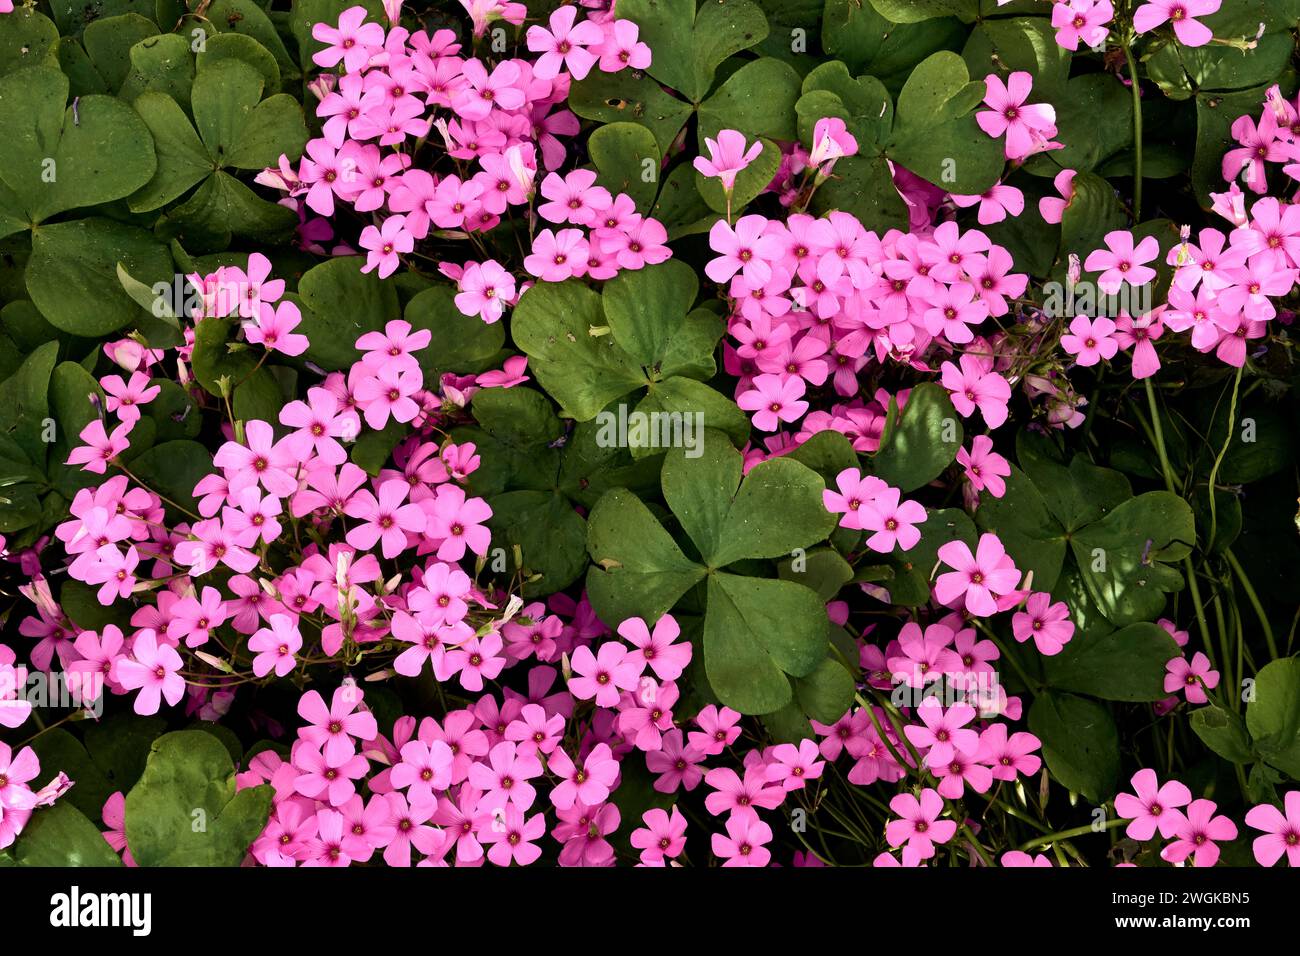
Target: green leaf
[
  {"x": 1273, "y": 717},
  {"x": 53, "y": 158},
  {"x": 553, "y": 324},
  {"x": 1029, "y": 532},
  {"x": 1080, "y": 743},
  {"x": 1003, "y": 46},
  {"x": 826, "y": 694},
  {"x": 57, "y": 749},
  {"x": 864, "y": 187},
  {"x": 71, "y": 388},
  {"x": 923, "y": 440},
  {"x": 639, "y": 570},
  {"x": 646, "y": 308},
  {"x": 698, "y": 41},
  {"x": 1223, "y": 732},
  {"x": 684, "y": 408},
  {"x": 182, "y": 158},
  {"x": 1128, "y": 664},
  {"x": 236, "y": 46},
  {"x": 1077, "y": 495},
  {"x": 76, "y": 262},
  {"x": 910, "y": 584},
  {"x": 463, "y": 344},
  {"x": 935, "y": 132},
  {"x": 160, "y": 64},
  {"x": 828, "y": 453},
  {"x": 108, "y": 43},
  {"x": 758, "y": 99},
  {"x": 756, "y": 631},
  {"x": 341, "y": 303},
  {"x": 551, "y": 536},
  {"x": 1123, "y": 557},
  {"x": 224, "y": 205},
  {"x": 622, "y": 152},
  {"x": 1094, "y": 119},
  {"x": 517, "y": 417},
  {"x": 630, "y": 95},
  {"x": 24, "y": 404},
  {"x": 914, "y": 11},
  {"x": 173, "y": 469},
  {"x": 822, "y": 569},
  {"x": 62, "y": 836},
  {"x": 27, "y": 38},
  {"x": 184, "y": 810},
  {"x": 1093, "y": 211}
]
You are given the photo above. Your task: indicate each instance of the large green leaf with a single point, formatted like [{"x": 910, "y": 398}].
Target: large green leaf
[
  {"x": 62, "y": 836},
  {"x": 920, "y": 441},
  {"x": 1128, "y": 664},
  {"x": 1080, "y": 743},
  {"x": 54, "y": 158},
  {"x": 693, "y": 43},
  {"x": 340, "y": 304},
  {"x": 1125, "y": 557},
  {"x": 184, "y": 810},
  {"x": 1274, "y": 715},
  {"x": 550, "y": 535},
  {"x": 74, "y": 263}
]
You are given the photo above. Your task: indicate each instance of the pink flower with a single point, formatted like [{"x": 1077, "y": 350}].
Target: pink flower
[
  {"x": 275, "y": 647},
  {"x": 114, "y": 816},
  {"x": 125, "y": 398},
  {"x": 385, "y": 519},
  {"x": 1121, "y": 261},
  {"x": 114, "y": 571},
  {"x": 744, "y": 842},
  {"x": 557, "y": 256},
  {"x": 984, "y": 467},
  {"x": 262, "y": 460},
  {"x": 1281, "y": 833},
  {"x": 944, "y": 732},
  {"x": 1189, "y": 31},
  {"x": 384, "y": 244},
  {"x": 979, "y": 578},
  {"x": 353, "y": 41},
  {"x": 589, "y": 784},
  {"x": 621, "y": 48},
  {"x": 485, "y": 290},
  {"x": 193, "y": 618},
  {"x": 728, "y": 156},
  {"x": 1180, "y": 675},
  {"x": 153, "y": 670},
  {"x": 893, "y": 522},
  {"x": 457, "y": 523},
  {"x": 663, "y": 836},
  {"x": 1152, "y": 807},
  {"x": 774, "y": 399},
  {"x": 973, "y": 385},
  {"x": 1052, "y": 209},
  {"x": 831, "y": 140},
  {"x": 573, "y": 199},
  {"x": 320, "y": 422},
  {"x": 275, "y": 330},
  {"x": 1196, "y": 831},
  {"x": 666, "y": 659},
  {"x": 511, "y": 837},
  {"x": 1090, "y": 340},
  {"x": 995, "y": 203},
  {"x": 334, "y": 727},
  {"x": 564, "y": 45},
  {"x": 853, "y": 498},
  {"x": 1027, "y": 128},
  {"x": 1076, "y": 20},
  {"x": 100, "y": 448},
  {"x": 1010, "y": 756},
  {"x": 1047, "y": 623},
  {"x": 603, "y": 674},
  {"x": 387, "y": 392},
  {"x": 793, "y": 767},
  {"x": 920, "y": 827}
]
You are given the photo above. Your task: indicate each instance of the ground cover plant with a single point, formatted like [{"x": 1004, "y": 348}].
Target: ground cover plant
[{"x": 750, "y": 433}]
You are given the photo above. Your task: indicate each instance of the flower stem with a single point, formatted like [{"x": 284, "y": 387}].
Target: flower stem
[
  {"x": 1137, "y": 126},
  {"x": 1067, "y": 834}
]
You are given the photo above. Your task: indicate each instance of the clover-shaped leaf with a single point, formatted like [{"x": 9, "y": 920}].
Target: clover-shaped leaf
[
  {"x": 757, "y": 630},
  {"x": 185, "y": 811},
  {"x": 54, "y": 157},
  {"x": 589, "y": 349}
]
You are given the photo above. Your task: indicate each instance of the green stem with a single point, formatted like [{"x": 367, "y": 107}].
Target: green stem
[
  {"x": 1158, "y": 431},
  {"x": 1137, "y": 126},
  {"x": 1214, "y": 472},
  {"x": 1067, "y": 834},
  {"x": 1254, "y": 601}
]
